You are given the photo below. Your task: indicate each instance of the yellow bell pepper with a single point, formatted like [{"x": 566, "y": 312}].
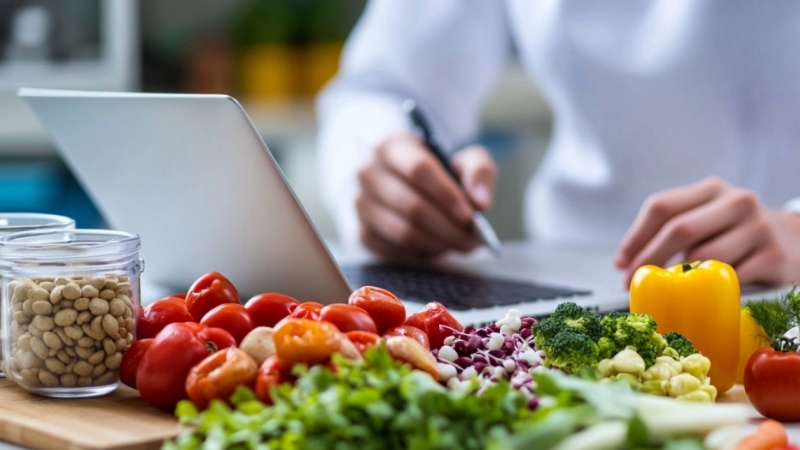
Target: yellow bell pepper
[
  {"x": 700, "y": 301},
  {"x": 751, "y": 338}
]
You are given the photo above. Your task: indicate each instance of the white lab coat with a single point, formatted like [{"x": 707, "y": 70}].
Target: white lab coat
[{"x": 646, "y": 95}]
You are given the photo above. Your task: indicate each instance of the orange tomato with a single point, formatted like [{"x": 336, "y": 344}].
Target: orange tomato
[
  {"x": 217, "y": 376},
  {"x": 303, "y": 341}
]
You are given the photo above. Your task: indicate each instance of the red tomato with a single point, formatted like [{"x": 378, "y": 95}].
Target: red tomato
[
  {"x": 348, "y": 318},
  {"x": 161, "y": 313},
  {"x": 412, "y": 332},
  {"x": 269, "y": 308},
  {"x": 161, "y": 375},
  {"x": 218, "y": 375},
  {"x": 772, "y": 383},
  {"x": 271, "y": 373},
  {"x": 231, "y": 317},
  {"x": 363, "y": 339},
  {"x": 385, "y": 309},
  {"x": 131, "y": 360},
  {"x": 307, "y": 310},
  {"x": 436, "y": 321},
  {"x": 303, "y": 341},
  {"x": 208, "y": 291}
]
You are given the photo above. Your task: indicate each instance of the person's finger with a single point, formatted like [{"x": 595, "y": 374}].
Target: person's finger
[
  {"x": 660, "y": 208},
  {"x": 688, "y": 229},
  {"x": 407, "y": 157},
  {"x": 393, "y": 193},
  {"x": 394, "y": 228},
  {"x": 734, "y": 245},
  {"x": 478, "y": 172},
  {"x": 760, "y": 266}
]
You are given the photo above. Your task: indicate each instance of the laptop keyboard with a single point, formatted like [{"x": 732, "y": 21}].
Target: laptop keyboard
[{"x": 453, "y": 290}]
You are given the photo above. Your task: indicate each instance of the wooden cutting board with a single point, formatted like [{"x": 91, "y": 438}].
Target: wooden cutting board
[{"x": 119, "y": 421}]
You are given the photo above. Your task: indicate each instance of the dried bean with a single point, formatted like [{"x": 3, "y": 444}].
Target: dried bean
[
  {"x": 113, "y": 361},
  {"x": 83, "y": 369},
  {"x": 81, "y": 304},
  {"x": 71, "y": 291},
  {"x": 52, "y": 340},
  {"x": 89, "y": 291},
  {"x": 48, "y": 378},
  {"x": 69, "y": 380},
  {"x": 42, "y": 308},
  {"x": 66, "y": 317},
  {"x": 55, "y": 294}
]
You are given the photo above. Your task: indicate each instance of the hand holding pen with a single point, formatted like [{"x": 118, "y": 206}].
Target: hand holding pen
[
  {"x": 410, "y": 208},
  {"x": 480, "y": 224}
]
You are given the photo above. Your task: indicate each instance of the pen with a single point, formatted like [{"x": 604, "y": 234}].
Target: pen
[{"x": 481, "y": 225}]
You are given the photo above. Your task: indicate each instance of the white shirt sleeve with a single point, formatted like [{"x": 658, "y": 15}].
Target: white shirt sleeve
[
  {"x": 792, "y": 206},
  {"x": 444, "y": 54}
]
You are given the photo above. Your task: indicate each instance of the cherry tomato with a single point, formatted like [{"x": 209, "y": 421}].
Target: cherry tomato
[
  {"x": 218, "y": 375},
  {"x": 384, "y": 307},
  {"x": 348, "y": 318},
  {"x": 304, "y": 341},
  {"x": 271, "y": 373},
  {"x": 208, "y": 291},
  {"x": 412, "y": 332},
  {"x": 307, "y": 310},
  {"x": 162, "y": 312},
  {"x": 269, "y": 308},
  {"x": 363, "y": 339},
  {"x": 436, "y": 321},
  {"x": 772, "y": 383},
  {"x": 232, "y": 317},
  {"x": 131, "y": 360}
]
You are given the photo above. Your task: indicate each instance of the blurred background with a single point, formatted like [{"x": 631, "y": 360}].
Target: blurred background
[{"x": 273, "y": 55}]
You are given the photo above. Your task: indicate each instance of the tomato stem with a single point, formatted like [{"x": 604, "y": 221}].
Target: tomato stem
[
  {"x": 211, "y": 347},
  {"x": 784, "y": 344},
  {"x": 686, "y": 267}
]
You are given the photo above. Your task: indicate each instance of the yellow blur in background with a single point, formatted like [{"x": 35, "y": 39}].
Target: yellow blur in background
[{"x": 751, "y": 338}]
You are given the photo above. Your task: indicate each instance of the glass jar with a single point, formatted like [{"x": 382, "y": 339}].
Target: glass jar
[
  {"x": 70, "y": 302},
  {"x": 16, "y": 222}
]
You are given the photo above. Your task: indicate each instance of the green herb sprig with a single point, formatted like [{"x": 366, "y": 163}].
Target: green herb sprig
[{"x": 776, "y": 317}]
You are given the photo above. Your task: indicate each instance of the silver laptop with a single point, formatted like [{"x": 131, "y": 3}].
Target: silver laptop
[{"x": 191, "y": 175}]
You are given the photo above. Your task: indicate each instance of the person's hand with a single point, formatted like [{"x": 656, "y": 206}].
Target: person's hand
[
  {"x": 712, "y": 219},
  {"x": 409, "y": 208}
]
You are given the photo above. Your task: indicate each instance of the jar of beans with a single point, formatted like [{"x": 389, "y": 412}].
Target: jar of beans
[
  {"x": 70, "y": 302},
  {"x": 16, "y": 222}
]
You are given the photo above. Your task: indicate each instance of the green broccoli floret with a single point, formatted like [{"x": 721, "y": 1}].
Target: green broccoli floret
[
  {"x": 544, "y": 330},
  {"x": 609, "y": 323},
  {"x": 570, "y": 351},
  {"x": 607, "y": 348},
  {"x": 639, "y": 331},
  {"x": 680, "y": 344},
  {"x": 577, "y": 318}
]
